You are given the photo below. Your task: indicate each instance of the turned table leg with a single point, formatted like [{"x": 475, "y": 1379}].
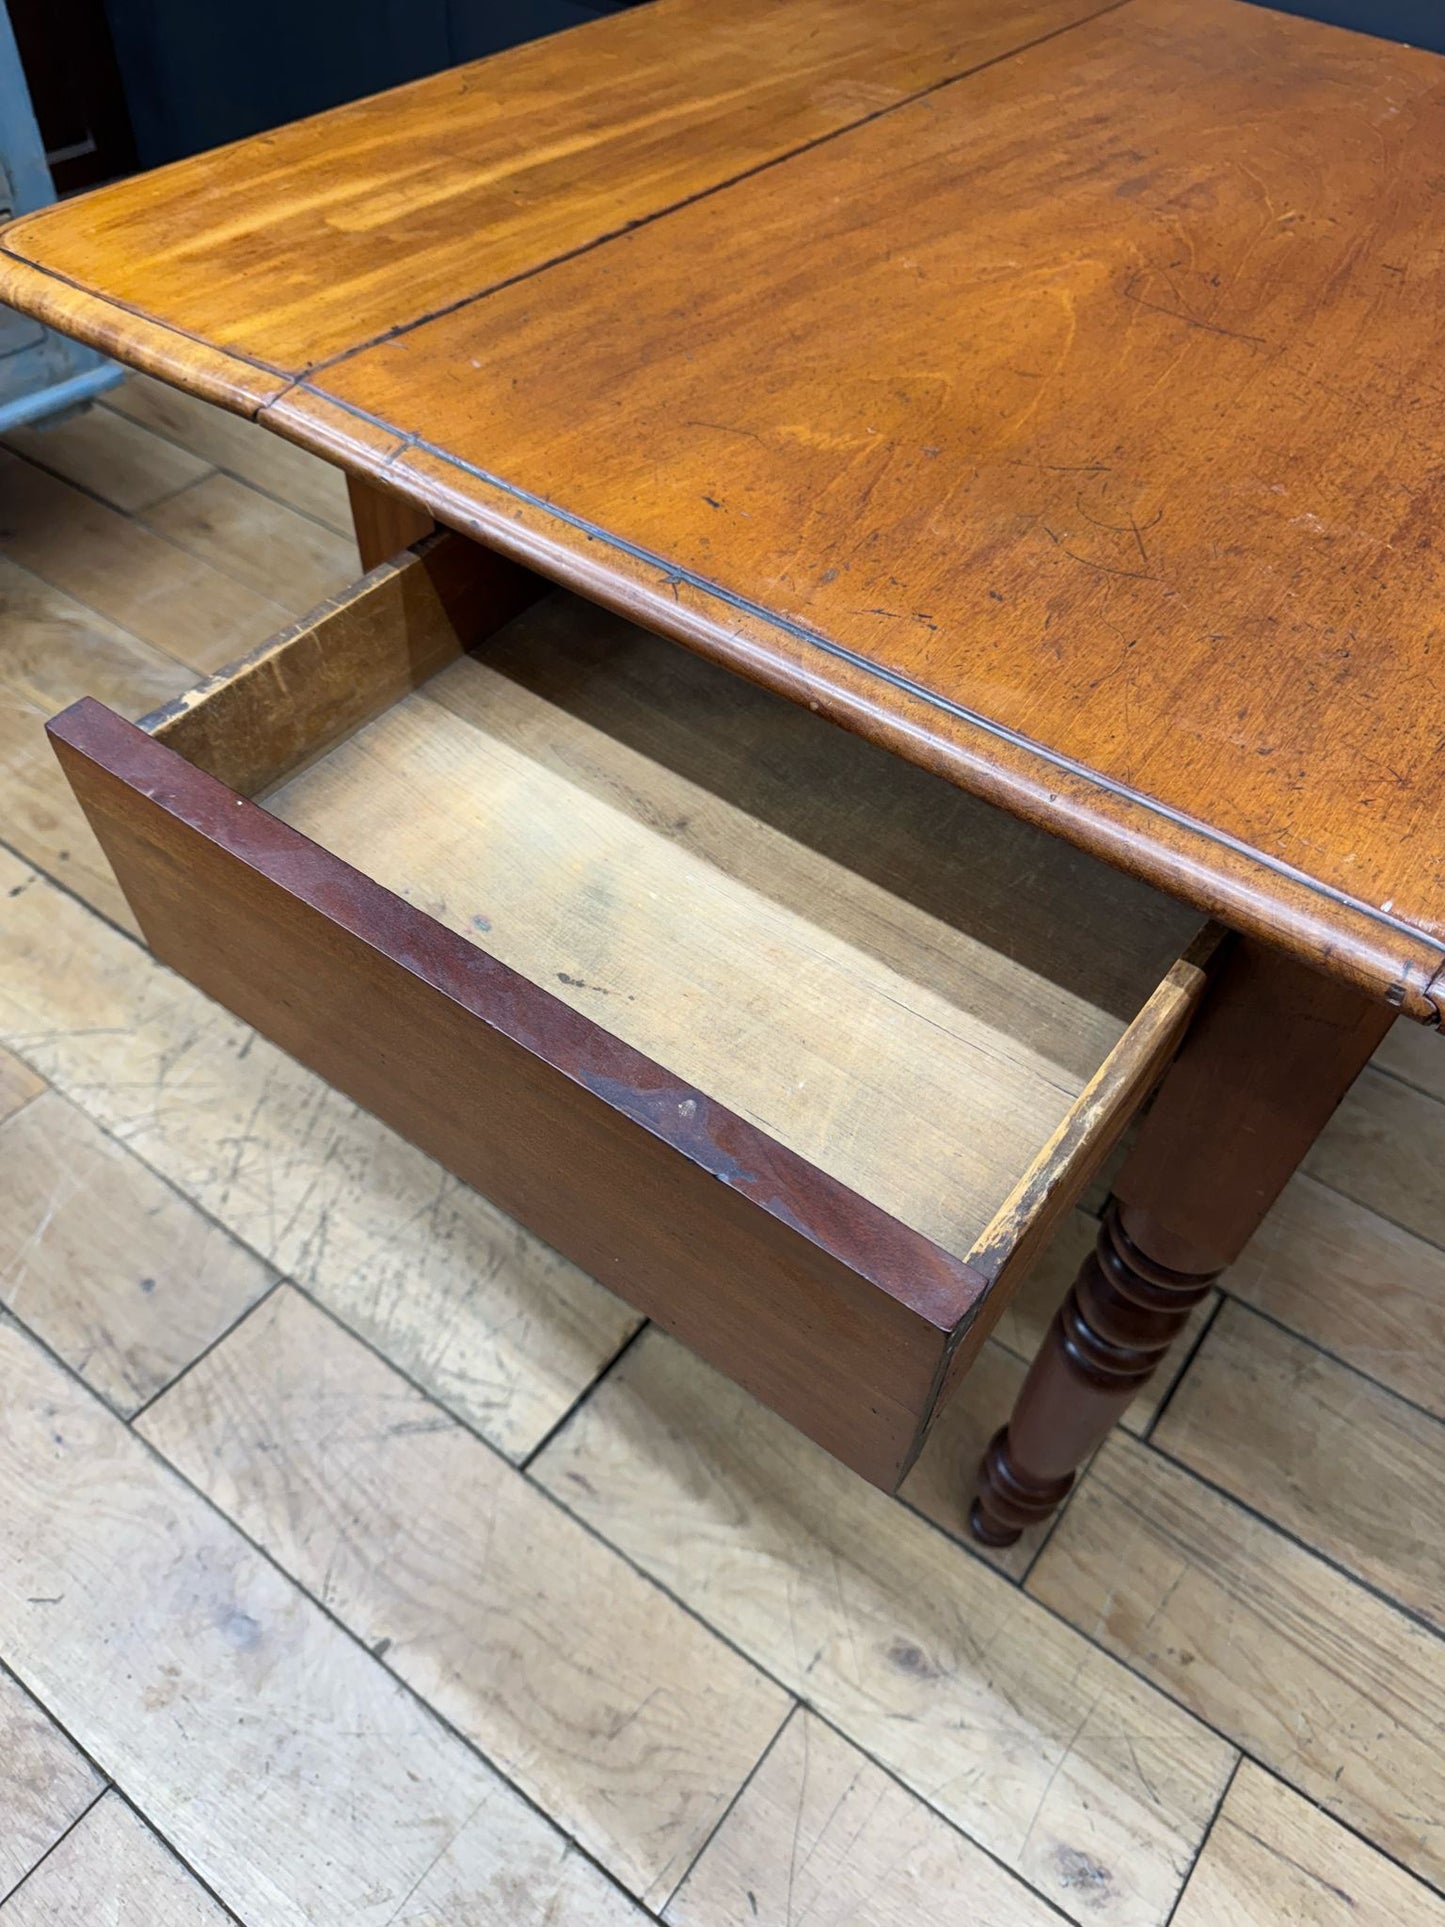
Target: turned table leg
[{"x": 1271, "y": 1053}]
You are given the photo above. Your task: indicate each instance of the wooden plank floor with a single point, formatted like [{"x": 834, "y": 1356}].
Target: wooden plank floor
[{"x": 361, "y": 1562}]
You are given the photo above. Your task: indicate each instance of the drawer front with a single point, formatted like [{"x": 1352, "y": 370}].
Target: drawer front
[{"x": 825, "y": 1308}]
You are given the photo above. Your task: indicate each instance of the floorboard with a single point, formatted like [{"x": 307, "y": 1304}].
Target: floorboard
[
  {"x": 1093, "y": 1787},
  {"x": 1353, "y": 1284},
  {"x": 120, "y": 461},
  {"x": 1337, "y": 1691},
  {"x": 111, "y": 1870},
  {"x": 274, "y": 551},
  {"x": 303, "y": 1783},
  {"x": 1272, "y": 1858},
  {"x": 608, "y": 1705},
  {"x": 821, "y": 1835},
  {"x": 1333, "y": 1458},
  {"x": 127, "y": 574},
  {"x": 18, "y": 1084},
  {"x": 1382, "y": 1149},
  {"x": 1416, "y": 1055},
  {"x": 45, "y": 1784},
  {"x": 119, "y": 1274},
  {"x": 55, "y": 650},
  {"x": 223, "y": 441}
]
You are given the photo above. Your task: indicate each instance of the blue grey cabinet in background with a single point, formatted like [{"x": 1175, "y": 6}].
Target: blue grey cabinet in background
[{"x": 40, "y": 373}]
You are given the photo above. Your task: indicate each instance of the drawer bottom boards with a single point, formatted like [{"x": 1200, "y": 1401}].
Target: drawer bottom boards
[{"x": 796, "y": 1047}]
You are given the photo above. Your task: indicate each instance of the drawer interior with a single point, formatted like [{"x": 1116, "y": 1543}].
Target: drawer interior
[
  {"x": 794, "y": 1045},
  {"x": 900, "y": 983}
]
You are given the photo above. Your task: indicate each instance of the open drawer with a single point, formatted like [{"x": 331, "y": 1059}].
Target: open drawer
[{"x": 798, "y": 1048}]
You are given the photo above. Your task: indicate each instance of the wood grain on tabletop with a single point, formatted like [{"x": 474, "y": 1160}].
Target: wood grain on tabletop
[
  {"x": 977, "y": 468},
  {"x": 974, "y": 470},
  {"x": 300, "y": 244},
  {"x": 491, "y": 1323},
  {"x": 112, "y": 1871},
  {"x": 147, "y": 1650},
  {"x": 1333, "y": 1688},
  {"x": 1073, "y": 1773}
]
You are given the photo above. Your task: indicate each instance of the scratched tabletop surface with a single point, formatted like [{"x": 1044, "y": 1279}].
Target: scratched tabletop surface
[{"x": 1052, "y": 393}]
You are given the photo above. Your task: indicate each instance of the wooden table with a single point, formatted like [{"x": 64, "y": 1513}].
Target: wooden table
[{"x": 1048, "y": 392}]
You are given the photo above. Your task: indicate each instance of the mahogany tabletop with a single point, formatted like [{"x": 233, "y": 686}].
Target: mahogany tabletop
[{"x": 1048, "y": 391}]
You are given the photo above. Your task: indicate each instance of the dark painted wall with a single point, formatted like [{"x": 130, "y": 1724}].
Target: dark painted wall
[
  {"x": 199, "y": 72},
  {"x": 1421, "y": 22}
]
